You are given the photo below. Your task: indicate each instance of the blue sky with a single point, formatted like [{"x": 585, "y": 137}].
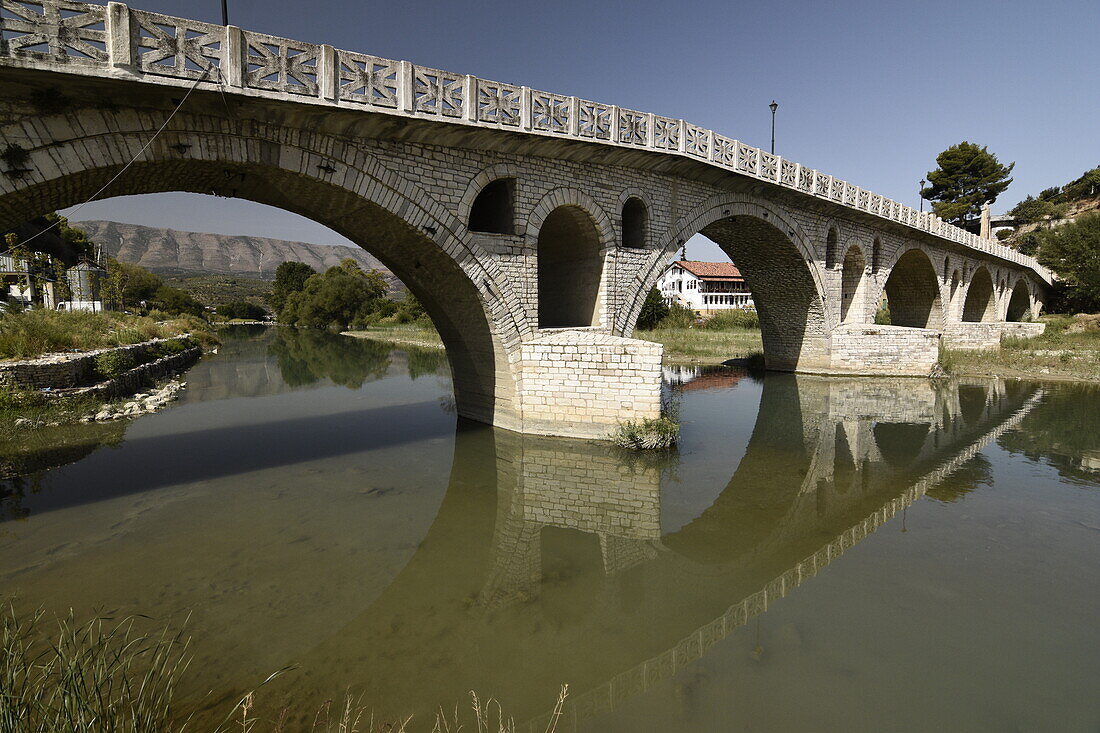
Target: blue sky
[{"x": 867, "y": 91}]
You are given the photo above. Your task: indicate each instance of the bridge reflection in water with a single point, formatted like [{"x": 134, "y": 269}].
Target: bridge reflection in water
[{"x": 547, "y": 563}]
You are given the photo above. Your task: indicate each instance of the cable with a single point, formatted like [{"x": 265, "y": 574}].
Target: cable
[{"x": 132, "y": 160}]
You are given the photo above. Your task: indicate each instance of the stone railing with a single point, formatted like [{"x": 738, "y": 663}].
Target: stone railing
[{"x": 84, "y": 38}]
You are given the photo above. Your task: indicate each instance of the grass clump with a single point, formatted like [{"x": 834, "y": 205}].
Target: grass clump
[
  {"x": 100, "y": 675},
  {"x": 657, "y": 433},
  {"x": 110, "y": 364},
  {"x": 32, "y": 333},
  {"x": 729, "y": 320}
]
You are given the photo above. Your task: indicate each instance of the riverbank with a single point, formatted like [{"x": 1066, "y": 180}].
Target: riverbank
[
  {"x": 1068, "y": 351},
  {"x": 406, "y": 335},
  {"x": 34, "y": 333}
]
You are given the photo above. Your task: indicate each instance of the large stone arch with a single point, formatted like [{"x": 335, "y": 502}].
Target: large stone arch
[
  {"x": 1019, "y": 302},
  {"x": 980, "y": 303},
  {"x": 777, "y": 259},
  {"x": 551, "y": 208},
  {"x": 913, "y": 291},
  {"x": 853, "y": 286},
  {"x": 324, "y": 178}
]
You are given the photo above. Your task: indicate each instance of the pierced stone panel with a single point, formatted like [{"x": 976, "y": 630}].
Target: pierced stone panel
[
  {"x": 824, "y": 184},
  {"x": 850, "y": 194},
  {"x": 551, "y": 112},
  {"x": 633, "y": 127},
  {"x": 280, "y": 65},
  {"x": 746, "y": 158},
  {"x": 594, "y": 120},
  {"x": 176, "y": 47},
  {"x": 498, "y": 103},
  {"x": 769, "y": 166},
  {"x": 666, "y": 133},
  {"x": 366, "y": 79},
  {"x": 696, "y": 140},
  {"x": 836, "y": 190},
  {"x": 438, "y": 92},
  {"x": 788, "y": 175},
  {"x": 806, "y": 180},
  {"x": 53, "y": 29},
  {"x": 725, "y": 151}
]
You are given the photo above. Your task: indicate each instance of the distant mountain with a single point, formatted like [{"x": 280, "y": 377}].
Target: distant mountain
[{"x": 171, "y": 252}]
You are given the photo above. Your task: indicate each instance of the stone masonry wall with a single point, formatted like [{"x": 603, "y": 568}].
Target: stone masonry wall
[
  {"x": 870, "y": 349},
  {"x": 978, "y": 335},
  {"x": 66, "y": 371},
  {"x": 591, "y": 380}
]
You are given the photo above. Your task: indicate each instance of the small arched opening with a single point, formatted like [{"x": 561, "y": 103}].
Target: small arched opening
[
  {"x": 569, "y": 269},
  {"x": 980, "y": 305},
  {"x": 635, "y": 221},
  {"x": 851, "y": 286},
  {"x": 830, "y": 248},
  {"x": 913, "y": 293},
  {"x": 493, "y": 211},
  {"x": 1019, "y": 305}
]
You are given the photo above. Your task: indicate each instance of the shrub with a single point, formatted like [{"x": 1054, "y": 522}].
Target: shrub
[
  {"x": 241, "y": 309},
  {"x": 648, "y": 434},
  {"x": 110, "y": 364},
  {"x": 679, "y": 316},
  {"x": 733, "y": 319},
  {"x": 654, "y": 310}
]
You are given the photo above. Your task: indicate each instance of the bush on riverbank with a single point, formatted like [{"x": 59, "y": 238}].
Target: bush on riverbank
[
  {"x": 33, "y": 333},
  {"x": 1069, "y": 349},
  {"x": 648, "y": 434},
  {"x": 729, "y": 320}
]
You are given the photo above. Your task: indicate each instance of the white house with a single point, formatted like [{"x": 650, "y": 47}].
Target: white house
[{"x": 705, "y": 287}]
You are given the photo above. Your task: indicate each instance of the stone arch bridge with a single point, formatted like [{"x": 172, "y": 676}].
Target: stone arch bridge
[{"x": 530, "y": 224}]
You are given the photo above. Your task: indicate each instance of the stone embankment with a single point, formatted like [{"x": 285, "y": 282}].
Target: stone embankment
[{"x": 109, "y": 374}]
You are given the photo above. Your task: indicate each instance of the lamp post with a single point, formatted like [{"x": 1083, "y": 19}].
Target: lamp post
[
  {"x": 225, "y": 12},
  {"x": 921, "y": 194},
  {"x": 773, "y": 107}
]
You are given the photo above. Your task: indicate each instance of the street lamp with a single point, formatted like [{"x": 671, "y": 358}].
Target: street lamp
[
  {"x": 225, "y": 12},
  {"x": 773, "y": 107},
  {"x": 921, "y": 193}
]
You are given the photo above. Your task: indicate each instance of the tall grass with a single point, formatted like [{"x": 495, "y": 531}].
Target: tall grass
[
  {"x": 728, "y": 320},
  {"x": 110, "y": 675},
  {"x": 32, "y": 333}
]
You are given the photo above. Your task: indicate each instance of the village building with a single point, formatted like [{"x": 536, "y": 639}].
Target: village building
[{"x": 705, "y": 287}]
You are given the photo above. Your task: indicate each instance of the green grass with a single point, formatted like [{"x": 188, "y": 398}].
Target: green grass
[
  {"x": 1068, "y": 350},
  {"x": 108, "y": 675},
  {"x": 704, "y": 346},
  {"x": 33, "y": 333},
  {"x": 409, "y": 334}
]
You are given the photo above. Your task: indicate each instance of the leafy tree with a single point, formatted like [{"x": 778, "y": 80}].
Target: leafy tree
[
  {"x": 241, "y": 309},
  {"x": 654, "y": 309},
  {"x": 174, "y": 300},
  {"x": 1073, "y": 251},
  {"x": 341, "y": 297},
  {"x": 968, "y": 176},
  {"x": 1033, "y": 209},
  {"x": 1084, "y": 187},
  {"x": 290, "y": 277}
]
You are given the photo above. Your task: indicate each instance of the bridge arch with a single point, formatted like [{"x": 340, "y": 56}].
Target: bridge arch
[
  {"x": 572, "y": 236},
  {"x": 778, "y": 262},
  {"x": 1019, "y": 302},
  {"x": 853, "y": 286},
  {"x": 490, "y": 199},
  {"x": 980, "y": 303},
  {"x": 913, "y": 291},
  {"x": 317, "y": 176}
]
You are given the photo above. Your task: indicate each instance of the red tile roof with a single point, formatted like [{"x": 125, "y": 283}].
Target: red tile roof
[{"x": 711, "y": 270}]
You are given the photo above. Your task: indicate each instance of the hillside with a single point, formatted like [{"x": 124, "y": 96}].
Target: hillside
[{"x": 171, "y": 252}]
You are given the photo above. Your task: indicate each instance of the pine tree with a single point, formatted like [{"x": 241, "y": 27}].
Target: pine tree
[{"x": 968, "y": 177}]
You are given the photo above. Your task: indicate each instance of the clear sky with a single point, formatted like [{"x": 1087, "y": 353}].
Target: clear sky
[{"x": 867, "y": 91}]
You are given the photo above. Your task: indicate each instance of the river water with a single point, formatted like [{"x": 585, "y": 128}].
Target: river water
[{"x": 819, "y": 554}]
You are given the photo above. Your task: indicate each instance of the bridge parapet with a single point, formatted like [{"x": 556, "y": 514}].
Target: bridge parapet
[{"x": 87, "y": 39}]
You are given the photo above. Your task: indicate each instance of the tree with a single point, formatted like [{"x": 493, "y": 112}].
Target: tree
[
  {"x": 341, "y": 297},
  {"x": 1086, "y": 186},
  {"x": 1073, "y": 251},
  {"x": 241, "y": 309},
  {"x": 290, "y": 277},
  {"x": 654, "y": 309},
  {"x": 968, "y": 177},
  {"x": 176, "y": 301}
]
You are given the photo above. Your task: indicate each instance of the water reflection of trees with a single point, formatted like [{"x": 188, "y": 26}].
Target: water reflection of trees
[
  {"x": 306, "y": 356},
  {"x": 425, "y": 362},
  {"x": 1062, "y": 431}
]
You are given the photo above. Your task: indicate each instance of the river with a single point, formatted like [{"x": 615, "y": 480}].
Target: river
[{"x": 819, "y": 554}]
